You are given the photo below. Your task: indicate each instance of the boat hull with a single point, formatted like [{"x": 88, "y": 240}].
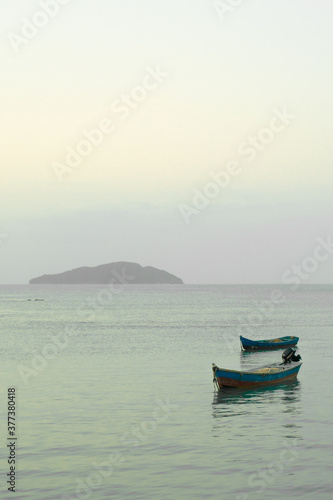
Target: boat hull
[
  {"x": 279, "y": 343},
  {"x": 269, "y": 375}
]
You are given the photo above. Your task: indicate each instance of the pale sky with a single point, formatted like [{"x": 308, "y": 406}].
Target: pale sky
[{"x": 184, "y": 93}]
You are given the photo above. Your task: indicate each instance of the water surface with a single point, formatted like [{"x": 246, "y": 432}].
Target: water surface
[{"x": 116, "y": 400}]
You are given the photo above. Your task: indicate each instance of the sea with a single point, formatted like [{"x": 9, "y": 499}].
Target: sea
[{"x": 114, "y": 399}]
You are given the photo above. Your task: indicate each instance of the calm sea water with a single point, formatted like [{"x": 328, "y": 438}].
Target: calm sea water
[{"x": 115, "y": 396}]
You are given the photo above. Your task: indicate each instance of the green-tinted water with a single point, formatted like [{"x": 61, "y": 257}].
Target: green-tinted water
[{"x": 115, "y": 396}]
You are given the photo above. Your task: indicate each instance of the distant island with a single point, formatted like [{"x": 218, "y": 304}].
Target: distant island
[{"x": 116, "y": 272}]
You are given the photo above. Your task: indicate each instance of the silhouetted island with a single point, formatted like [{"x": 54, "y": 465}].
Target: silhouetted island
[{"x": 116, "y": 272}]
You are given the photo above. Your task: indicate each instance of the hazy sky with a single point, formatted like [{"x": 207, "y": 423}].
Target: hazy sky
[{"x": 191, "y": 135}]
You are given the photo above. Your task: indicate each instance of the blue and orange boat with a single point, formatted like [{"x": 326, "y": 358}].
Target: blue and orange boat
[
  {"x": 275, "y": 373},
  {"x": 279, "y": 343}
]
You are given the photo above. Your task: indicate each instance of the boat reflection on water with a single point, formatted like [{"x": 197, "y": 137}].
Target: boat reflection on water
[
  {"x": 231, "y": 401},
  {"x": 267, "y": 409},
  {"x": 258, "y": 412},
  {"x": 289, "y": 390}
]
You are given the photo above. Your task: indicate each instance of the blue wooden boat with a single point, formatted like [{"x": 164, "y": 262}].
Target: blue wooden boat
[
  {"x": 279, "y": 343},
  {"x": 275, "y": 373}
]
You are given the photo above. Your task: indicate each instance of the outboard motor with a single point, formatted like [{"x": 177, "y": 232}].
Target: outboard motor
[{"x": 289, "y": 355}]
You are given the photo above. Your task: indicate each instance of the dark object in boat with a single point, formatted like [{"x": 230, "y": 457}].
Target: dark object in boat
[
  {"x": 274, "y": 373},
  {"x": 290, "y": 355}
]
